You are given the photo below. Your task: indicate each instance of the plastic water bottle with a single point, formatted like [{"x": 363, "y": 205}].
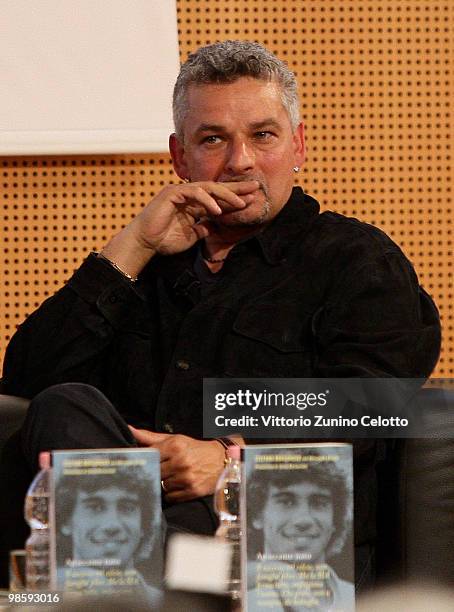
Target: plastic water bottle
[
  {"x": 227, "y": 505},
  {"x": 37, "y": 554}
]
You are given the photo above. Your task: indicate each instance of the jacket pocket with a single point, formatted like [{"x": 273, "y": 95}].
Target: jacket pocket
[{"x": 269, "y": 340}]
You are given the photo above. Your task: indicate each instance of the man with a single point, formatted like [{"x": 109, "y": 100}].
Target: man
[
  {"x": 299, "y": 519},
  {"x": 238, "y": 275},
  {"x": 107, "y": 528}
]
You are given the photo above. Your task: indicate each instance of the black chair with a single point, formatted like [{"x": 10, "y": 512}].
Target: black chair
[
  {"x": 416, "y": 499},
  {"x": 12, "y": 414},
  {"x": 12, "y": 534}
]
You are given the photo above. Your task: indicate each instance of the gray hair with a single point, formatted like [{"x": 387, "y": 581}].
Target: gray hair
[{"x": 225, "y": 62}]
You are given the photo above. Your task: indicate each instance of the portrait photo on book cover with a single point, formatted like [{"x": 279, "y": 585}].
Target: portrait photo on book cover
[
  {"x": 108, "y": 525},
  {"x": 299, "y": 524}
]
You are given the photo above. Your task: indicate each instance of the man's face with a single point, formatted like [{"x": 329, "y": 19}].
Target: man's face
[
  {"x": 105, "y": 524},
  {"x": 240, "y": 131},
  {"x": 297, "y": 518}
]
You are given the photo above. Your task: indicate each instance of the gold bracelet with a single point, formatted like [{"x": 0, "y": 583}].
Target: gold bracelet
[{"x": 133, "y": 279}]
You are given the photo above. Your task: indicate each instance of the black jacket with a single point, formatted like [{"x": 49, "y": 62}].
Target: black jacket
[{"x": 313, "y": 295}]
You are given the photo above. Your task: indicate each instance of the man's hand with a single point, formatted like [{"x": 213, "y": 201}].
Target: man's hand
[
  {"x": 189, "y": 468},
  {"x": 179, "y": 215},
  {"x": 175, "y": 220}
]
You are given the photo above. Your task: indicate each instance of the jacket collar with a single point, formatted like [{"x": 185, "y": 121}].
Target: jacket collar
[{"x": 293, "y": 219}]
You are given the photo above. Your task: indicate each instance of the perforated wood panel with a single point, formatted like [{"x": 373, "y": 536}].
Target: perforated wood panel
[{"x": 375, "y": 88}]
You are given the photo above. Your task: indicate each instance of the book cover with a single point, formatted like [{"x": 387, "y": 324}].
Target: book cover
[
  {"x": 297, "y": 517},
  {"x": 106, "y": 534}
]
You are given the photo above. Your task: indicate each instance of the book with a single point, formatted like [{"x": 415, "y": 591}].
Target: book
[
  {"x": 105, "y": 517},
  {"x": 297, "y": 521}
]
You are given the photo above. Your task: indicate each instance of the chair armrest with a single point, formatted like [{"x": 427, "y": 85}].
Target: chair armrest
[
  {"x": 416, "y": 500},
  {"x": 12, "y": 413}
]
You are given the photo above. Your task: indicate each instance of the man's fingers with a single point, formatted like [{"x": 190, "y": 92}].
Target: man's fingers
[
  {"x": 203, "y": 229},
  {"x": 179, "y": 495},
  {"x": 189, "y": 467},
  {"x": 146, "y": 437},
  {"x": 234, "y": 195},
  {"x": 171, "y": 480},
  {"x": 226, "y": 196},
  {"x": 241, "y": 187},
  {"x": 191, "y": 196},
  {"x": 177, "y": 491},
  {"x": 211, "y": 199}
]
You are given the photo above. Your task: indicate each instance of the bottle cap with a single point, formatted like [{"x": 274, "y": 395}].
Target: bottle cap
[
  {"x": 234, "y": 451},
  {"x": 44, "y": 460}
]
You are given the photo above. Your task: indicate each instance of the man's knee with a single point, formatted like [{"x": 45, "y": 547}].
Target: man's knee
[
  {"x": 71, "y": 396},
  {"x": 72, "y": 416},
  {"x": 66, "y": 415}
]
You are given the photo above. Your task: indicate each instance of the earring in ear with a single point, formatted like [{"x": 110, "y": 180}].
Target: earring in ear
[{"x": 296, "y": 168}]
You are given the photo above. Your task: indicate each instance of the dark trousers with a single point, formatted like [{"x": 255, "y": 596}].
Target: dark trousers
[{"x": 75, "y": 415}]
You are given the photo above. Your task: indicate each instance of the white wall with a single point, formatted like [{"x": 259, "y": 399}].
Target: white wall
[{"x": 86, "y": 76}]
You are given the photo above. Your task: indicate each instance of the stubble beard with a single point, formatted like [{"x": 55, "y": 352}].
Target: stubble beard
[{"x": 262, "y": 216}]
